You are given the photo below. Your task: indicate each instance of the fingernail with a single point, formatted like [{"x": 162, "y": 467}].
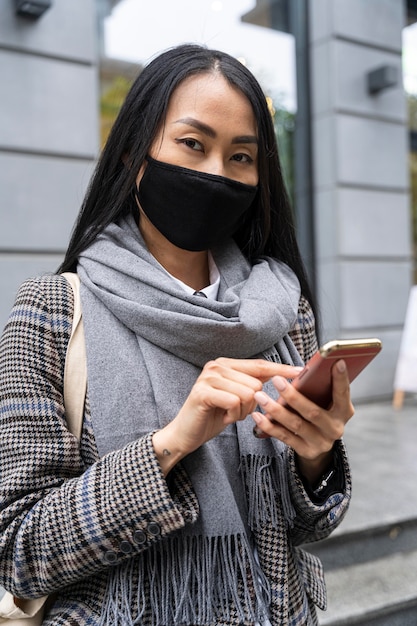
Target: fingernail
[
  {"x": 280, "y": 383},
  {"x": 341, "y": 366},
  {"x": 261, "y": 398},
  {"x": 257, "y": 417}
]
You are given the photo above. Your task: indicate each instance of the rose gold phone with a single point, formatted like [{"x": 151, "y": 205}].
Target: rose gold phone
[{"x": 315, "y": 381}]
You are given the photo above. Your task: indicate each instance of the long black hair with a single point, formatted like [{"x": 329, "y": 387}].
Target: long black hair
[{"x": 269, "y": 229}]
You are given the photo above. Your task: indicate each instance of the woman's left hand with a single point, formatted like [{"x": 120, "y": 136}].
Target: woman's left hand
[{"x": 311, "y": 431}]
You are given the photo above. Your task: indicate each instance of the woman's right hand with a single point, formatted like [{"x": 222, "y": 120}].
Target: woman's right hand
[{"x": 223, "y": 394}]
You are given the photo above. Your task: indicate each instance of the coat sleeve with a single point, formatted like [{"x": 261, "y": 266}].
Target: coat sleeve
[
  {"x": 314, "y": 522},
  {"x": 64, "y": 513},
  {"x": 304, "y": 333}
]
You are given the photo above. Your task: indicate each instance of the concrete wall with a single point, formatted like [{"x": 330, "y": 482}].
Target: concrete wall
[
  {"x": 361, "y": 180},
  {"x": 48, "y": 135}
]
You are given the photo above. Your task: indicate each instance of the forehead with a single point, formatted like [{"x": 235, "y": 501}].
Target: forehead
[{"x": 211, "y": 97}]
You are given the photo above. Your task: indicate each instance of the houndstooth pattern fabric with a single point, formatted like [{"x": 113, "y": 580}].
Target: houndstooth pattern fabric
[{"x": 63, "y": 510}]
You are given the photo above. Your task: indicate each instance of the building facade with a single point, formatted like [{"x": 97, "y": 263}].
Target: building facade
[
  {"x": 48, "y": 134},
  {"x": 346, "y": 119},
  {"x": 361, "y": 178}
]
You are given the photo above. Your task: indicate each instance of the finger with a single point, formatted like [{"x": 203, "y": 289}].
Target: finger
[
  {"x": 216, "y": 392},
  {"x": 205, "y": 399},
  {"x": 328, "y": 423},
  {"x": 314, "y": 428},
  {"x": 297, "y": 402},
  {"x": 341, "y": 390},
  {"x": 219, "y": 375},
  {"x": 306, "y": 439},
  {"x": 258, "y": 432},
  {"x": 282, "y": 416},
  {"x": 265, "y": 427},
  {"x": 261, "y": 369},
  {"x": 243, "y": 393}
]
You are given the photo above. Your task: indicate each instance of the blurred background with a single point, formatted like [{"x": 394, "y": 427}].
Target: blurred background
[{"x": 341, "y": 81}]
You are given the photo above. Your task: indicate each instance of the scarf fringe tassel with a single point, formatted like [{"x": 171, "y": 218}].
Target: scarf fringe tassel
[
  {"x": 191, "y": 580},
  {"x": 268, "y": 494}
]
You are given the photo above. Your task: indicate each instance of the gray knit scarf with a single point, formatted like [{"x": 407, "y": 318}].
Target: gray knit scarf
[{"x": 147, "y": 341}]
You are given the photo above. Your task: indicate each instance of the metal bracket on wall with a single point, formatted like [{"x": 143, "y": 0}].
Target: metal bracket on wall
[
  {"x": 382, "y": 78},
  {"x": 32, "y": 8}
]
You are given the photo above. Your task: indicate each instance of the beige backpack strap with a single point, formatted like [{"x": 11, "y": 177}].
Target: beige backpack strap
[
  {"x": 75, "y": 373},
  {"x": 31, "y": 613}
]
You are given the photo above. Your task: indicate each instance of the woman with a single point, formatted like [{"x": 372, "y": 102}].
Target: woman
[{"x": 196, "y": 313}]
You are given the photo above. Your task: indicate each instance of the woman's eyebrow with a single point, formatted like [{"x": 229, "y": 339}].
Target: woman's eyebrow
[
  {"x": 245, "y": 139},
  {"x": 191, "y": 121},
  {"x": 210, "y": 132}
]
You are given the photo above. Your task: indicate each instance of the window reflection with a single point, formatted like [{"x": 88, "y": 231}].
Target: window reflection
[{"x": 254, "y": 31}]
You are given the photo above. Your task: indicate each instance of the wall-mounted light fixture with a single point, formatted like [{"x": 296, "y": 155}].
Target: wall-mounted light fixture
[
  {"x": 32, "y": 8},
  {"x": 382, "y": 78}
]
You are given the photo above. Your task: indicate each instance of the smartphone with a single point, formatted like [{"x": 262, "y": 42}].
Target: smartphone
[{"x": 315, "y": 381}]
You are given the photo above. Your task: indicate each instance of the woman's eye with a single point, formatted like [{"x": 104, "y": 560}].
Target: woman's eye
[
  {"x": 191, "y": 143},
  {"x": 242, "y": 158}
]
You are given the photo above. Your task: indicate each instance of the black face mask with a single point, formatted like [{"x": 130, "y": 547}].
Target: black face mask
[{"x": 193, "y": 210}]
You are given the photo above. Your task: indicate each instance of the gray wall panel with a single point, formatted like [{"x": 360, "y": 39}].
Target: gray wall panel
[
  {"x": 373, "y": 22},
  {"x": 40, "y": 199},
  {"x": 321, "y": 20},
  {"x": 324, "y": 150},
  {"x": 328, "y": 293},
  {"x": 373, "y": 294},
  {"x": 67, "y": 29},
  {"x": 365, "y": 151},
  {"x": 323, "y": 71},
  {"x": 48, "y": 106},
  {"x": 14, "y": 269},
  {"x": 353, "y": 63},
  {"x": 326, "y": 225},
  {"x": 366, "y": 227}
]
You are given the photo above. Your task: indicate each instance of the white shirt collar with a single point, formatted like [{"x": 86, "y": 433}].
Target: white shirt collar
[{"x": 212, "y": 290}]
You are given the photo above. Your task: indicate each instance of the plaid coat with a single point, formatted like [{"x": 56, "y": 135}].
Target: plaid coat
[{"x": 67, "y": 516}]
